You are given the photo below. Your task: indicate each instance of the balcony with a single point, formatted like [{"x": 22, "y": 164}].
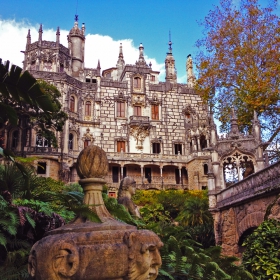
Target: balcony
[{"x": 139, "y": 120}]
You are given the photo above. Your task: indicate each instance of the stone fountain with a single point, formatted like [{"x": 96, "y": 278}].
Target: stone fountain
[{"x": 85, "y": 250}]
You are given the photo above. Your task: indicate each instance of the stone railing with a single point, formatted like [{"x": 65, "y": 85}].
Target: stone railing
[
  {"x": 156, "y": 157},
  {"x": 263, "y": 181},
  {"x": 43, "y": 150},
  {"x": 136, "y": 120}
]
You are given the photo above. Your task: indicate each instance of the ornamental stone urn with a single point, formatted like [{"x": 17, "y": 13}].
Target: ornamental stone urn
[{"x": 85, "y": 250}]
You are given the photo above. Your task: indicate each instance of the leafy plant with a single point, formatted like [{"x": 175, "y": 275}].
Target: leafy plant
[{"x": 261, "y": 256}]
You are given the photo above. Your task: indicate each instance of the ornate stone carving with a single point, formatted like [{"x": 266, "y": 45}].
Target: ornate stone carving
[
  {"x": 138, "y": 100},
  {"x": 139, "y": 133}
]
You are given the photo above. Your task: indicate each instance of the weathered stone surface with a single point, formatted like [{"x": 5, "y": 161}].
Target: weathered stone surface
[{"x": 92, "y": 163}]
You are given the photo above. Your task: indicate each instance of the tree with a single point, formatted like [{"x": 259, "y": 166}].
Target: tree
[
  {"x": 25, "y": 102},
  {"x": 238, "y": 65}
]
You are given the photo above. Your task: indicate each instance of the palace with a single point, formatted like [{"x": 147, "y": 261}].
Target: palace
[{"x": 160, "y": 133}]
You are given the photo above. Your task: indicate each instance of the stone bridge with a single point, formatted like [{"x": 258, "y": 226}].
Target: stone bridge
[{"x": 240, "y": 208}]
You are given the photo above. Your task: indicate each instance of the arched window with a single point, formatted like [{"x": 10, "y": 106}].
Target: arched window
[
  {"x": 42, "y": 141},
  {"x": 72, "y": 104},
  {"x": 137, "y": 82},
  {"x": 88, "y": 108},
  {"x": 70, "y": 141},
  {"x": 203, "y": 142},
  {"x": 205, "y": 169},
  {"x": 15, "y": 139}
]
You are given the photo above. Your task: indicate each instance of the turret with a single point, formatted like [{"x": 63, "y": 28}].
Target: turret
[
  {"x": 76, "y": 45},
  {"x": 190, "y": 75},
  {"x": 170, "y": 70}
]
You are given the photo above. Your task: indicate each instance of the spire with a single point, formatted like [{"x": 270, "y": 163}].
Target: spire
[
  {"x": 120, "y": 62},
  {"x": 83, "y": 28},
  {"x": 120, "y": 51},
  {"x": 57, "y": 37},
  {"x": 141, "y": 61},
  {"x": 98, "y": 68},
  {"x": 234, "y": 130},
  {"x": 170, "y": 43},
  {"x": 256, "y": 126},
  {"x": 28, "y": 41},
  {"x": 40, "y": 34},
  {"x": 170, "y": 71},
  {"x": 141, "y": 53},
  {"x": 189, "y": 68}
]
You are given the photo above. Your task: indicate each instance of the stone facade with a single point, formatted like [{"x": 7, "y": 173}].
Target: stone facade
[{"x": 148, "y": 128}]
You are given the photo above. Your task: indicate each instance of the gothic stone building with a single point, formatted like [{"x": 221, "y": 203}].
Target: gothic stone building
[{"x": 157, "y": 132}]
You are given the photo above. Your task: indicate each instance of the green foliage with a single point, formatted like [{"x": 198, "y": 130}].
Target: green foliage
[
  {"x": 184, "y": 258},
  {"x": 261, "y": 256},
  {"x": 9, "y": 221},
  {"x": 195, "y": 212},
  {"x": 155, "y": 217},
  {"x": 119, "y": 211}
]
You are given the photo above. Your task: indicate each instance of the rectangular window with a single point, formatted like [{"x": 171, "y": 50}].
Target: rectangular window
[
  {"x": 120, "y": 146},
  {"x": 137, "y": 83},
  {"x": 137, "y": 110},
  {"x": 155, "y": 115},
  {"x": 156, "y": 148},
  {"x": 178, "y": 149},
  {"x": 88, "y": 109},
  {"x": 42, "y": 168},
  {"x": 121, "y": 109},
  {"x": 153, "y": 78}
]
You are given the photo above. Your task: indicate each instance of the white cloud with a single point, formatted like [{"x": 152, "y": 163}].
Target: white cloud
[{"x": 13, "y": 40}]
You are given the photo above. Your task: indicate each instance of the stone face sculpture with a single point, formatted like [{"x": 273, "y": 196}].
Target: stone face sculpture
[
  {"x": 126, "y": 191},
  {"x": 85, "y": 250}
]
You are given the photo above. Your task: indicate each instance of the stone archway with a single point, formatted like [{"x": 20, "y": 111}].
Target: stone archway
[{"x": 252, "y": 220}]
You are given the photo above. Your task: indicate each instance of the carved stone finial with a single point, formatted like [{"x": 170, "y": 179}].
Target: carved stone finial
[{"x": 92, "y": 163}]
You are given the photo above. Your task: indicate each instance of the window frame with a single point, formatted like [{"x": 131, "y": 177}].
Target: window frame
[
  {"x": 178, "y": 147},
  {"x": 137, "y": 82},
  {"x": 120, "y": 146},
  {"x": 120, "y": 109},
  {"x": 88, "y": 109},
  {"x": 156, "y": 148},
  {"x": 137, "y": 111},
  {"x": 72, "y": 104},
  {"x": 155, "y": 113}
]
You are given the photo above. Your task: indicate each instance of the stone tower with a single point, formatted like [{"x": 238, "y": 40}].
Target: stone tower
[{"x": 76, "y": 45}]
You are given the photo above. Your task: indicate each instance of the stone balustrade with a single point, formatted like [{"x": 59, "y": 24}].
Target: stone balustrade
[{"x": 257, "y": 184}]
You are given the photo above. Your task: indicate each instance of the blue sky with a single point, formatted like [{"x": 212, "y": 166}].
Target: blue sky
[{"x": 109, "y": 22}]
